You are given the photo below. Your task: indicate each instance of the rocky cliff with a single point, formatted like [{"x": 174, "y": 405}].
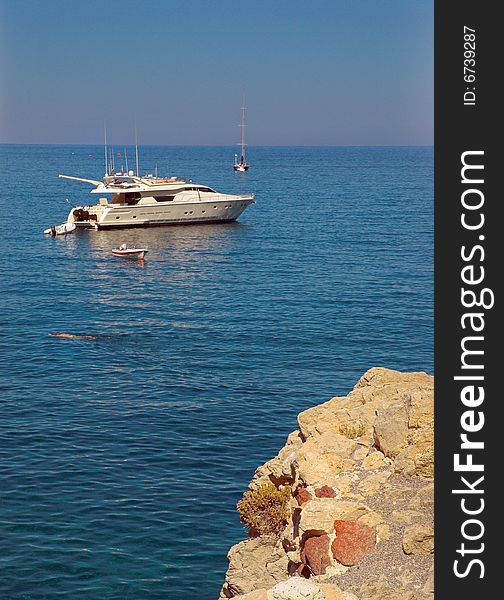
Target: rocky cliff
[{"x": 355, "y": 481}]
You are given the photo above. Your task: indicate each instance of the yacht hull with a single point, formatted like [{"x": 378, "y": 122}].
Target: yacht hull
[
  {"x": 160, "y": 223},
  {"x": 155, "y": 214}
]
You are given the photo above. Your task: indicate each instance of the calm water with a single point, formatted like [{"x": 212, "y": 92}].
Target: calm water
[{"x": 122, "y": 458}]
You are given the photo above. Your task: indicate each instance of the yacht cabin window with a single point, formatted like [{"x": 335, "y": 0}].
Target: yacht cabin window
[
  {"x": 132, "y": 197},
  {"x": 200, "y": 189}
]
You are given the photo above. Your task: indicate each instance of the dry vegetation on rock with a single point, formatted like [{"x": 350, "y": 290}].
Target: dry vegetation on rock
[{"x": 265, "y": 510}]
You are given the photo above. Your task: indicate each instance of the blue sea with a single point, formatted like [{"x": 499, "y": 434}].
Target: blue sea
[{"x": 122, "y": 457}]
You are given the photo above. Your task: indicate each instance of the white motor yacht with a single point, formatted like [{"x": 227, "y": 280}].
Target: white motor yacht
[{"x": 127, "y": 200}]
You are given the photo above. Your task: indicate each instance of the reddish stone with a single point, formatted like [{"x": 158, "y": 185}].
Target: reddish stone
[
  {"x": 302, "y": 495},
  {"x": 325, "y": 492},
  {"x": 353, "y": 541},
  {"x": 315, "y": 554}
]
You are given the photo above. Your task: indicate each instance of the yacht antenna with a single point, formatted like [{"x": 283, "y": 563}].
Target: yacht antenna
[
  {"x": 136, "y": 147},
  {"x": 126, "y": 159},
  {"x": 106, "y": 151}
]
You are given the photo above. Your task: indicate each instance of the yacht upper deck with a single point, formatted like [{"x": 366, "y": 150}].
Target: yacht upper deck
[{"x": 121, "y": 183}]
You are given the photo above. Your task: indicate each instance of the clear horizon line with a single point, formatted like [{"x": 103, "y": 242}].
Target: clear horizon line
[{"x": 222, "y": 145}]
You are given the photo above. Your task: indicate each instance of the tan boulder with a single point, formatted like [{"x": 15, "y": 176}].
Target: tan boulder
[
  {"x": 380, "y": 377},
  {"x": 418, "y": 539},
  {"x": 279, "y": 469},
  {"x": 331, "y": 443},
  {"x": 372, "y": 519},
  {"x": 323, "y": 457},
  {"x": 344, "y": 481},
  {"x": 417, "y": 460},
  {"x": 403, "y": 429},
  {"x": 391, "y": 429},
  {"x": 374, "y": 460},
  {"x": 317, "y": 469},
  {"x": 361, "y": 453},
  {"x": 318, "y": 516},
  {"x": 333, "y": 592},
  {"x": 383, "y": 532},
  {"x": 296, "y": 588},
  {"x": 261, "y": 594},
  {"x": 420, "y": 403},
  {"x": 403, "y": 517},
  {"x": 382, "y": 591},
  {"x": 397, "y": 493},
  {"x": 372, "y": 484},
  {"x": 354, "y": 414},
  {"x": 320, "y": 419},
  {"x": 424, "y": 499},
  {"x": 341, "y": 415},
  {"x": 254, "y": 564}
]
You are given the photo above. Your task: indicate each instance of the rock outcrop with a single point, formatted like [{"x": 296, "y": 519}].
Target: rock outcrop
[{"x": 359, "y": 473}]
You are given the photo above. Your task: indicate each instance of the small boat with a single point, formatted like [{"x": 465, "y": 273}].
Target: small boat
[
  {"x": 126, "y": 252},
  {"x": 243, "y": 164},
  {"x": 62, "y": 229}
]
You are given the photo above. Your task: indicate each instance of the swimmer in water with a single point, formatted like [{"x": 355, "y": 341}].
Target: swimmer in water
[{"x": 73, "y": 336}]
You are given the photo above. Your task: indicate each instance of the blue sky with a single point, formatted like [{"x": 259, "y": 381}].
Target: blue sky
[{"x": 314, "y": 72}]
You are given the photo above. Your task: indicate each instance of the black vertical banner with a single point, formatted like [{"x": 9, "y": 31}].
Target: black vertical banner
[{"x": 468, "y": 133}]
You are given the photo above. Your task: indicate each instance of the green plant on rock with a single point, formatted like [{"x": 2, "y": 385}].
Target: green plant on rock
[{"x": 265, "y": 510}]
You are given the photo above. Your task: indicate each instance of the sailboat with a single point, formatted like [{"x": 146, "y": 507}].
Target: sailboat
[{"x": 243, "y": 164}]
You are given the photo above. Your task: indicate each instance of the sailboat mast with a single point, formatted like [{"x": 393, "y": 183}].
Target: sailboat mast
[
  {"x": 136, "y": 148},
  {"x": 242, "y": 165},
  {"x": 243, "y": 133}
]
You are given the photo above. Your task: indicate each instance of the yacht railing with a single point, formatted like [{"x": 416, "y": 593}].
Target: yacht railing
[{"x": 224, "y": 197}]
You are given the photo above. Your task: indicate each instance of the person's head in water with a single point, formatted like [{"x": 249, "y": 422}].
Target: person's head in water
[{"x": 73, "y": 335}]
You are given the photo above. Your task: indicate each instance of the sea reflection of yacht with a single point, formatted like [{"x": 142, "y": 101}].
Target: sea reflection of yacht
[{"x": 144, "y": 201}]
